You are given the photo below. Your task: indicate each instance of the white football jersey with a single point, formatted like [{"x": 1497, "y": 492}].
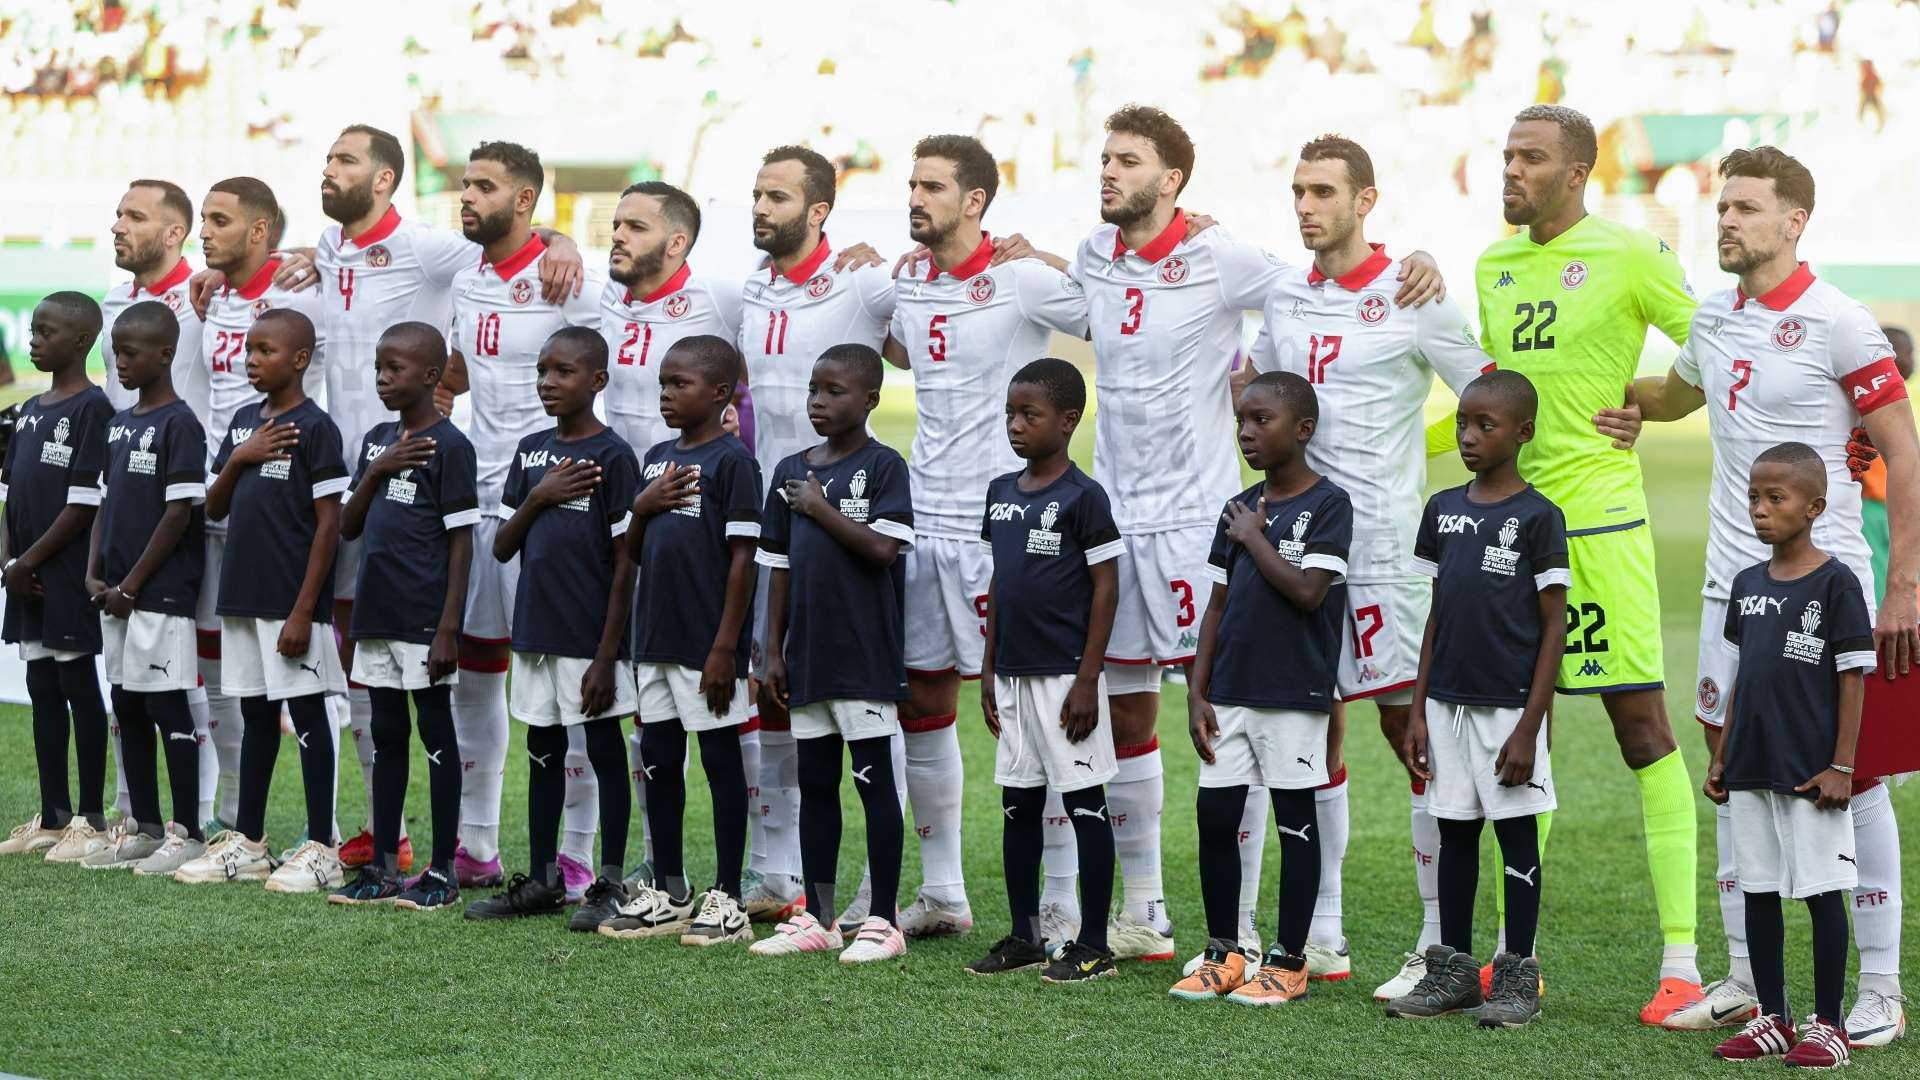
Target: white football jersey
[
  {"x": 223, "y": 338},
  {"x": 1801, "y": 364},
  {"x": 189, "y": 372},
  {"x": 1371, "y": 365},
  {"x": 966, "y": 331},
  {"x": 499, "y": 323},
  {"x": 398, "y": 271},
  {"x": 786, "y": 321},
  {"x": 1166, "y": 326},
  {"x": 639, "y": 331}
]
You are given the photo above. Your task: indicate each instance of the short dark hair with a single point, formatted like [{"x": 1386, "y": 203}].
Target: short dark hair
[
  {"x": 1791, "y": 180},
  {"x": 1293, "y": 391},
  {"x": 1169, "y": 139},
  {"x": 521, "y": 163},
  {"x": 676, "y": 206},
  {"x": 304, "y": 336},
  {"x": 973, "y": 164},
  {"x": 1511, "y": 389},
  {"x": 862, "y": 359},
  {"x": 383, "y": 148},
  {"x": 715, "y": 358},
  {"x": 1340, "y": 148},
  {"x": 1803, "y": 460},
  {"x": 255, "y": 197},
  {"x": 173, "y": 198},
  {"x": 1576, "y": 131},
  {"x": 1060, "y": 381},
  {"x": 592, "y": 346},
  {"x": 820, "y": 179},
  {"x": 417, "y": 336},
  {"x": 154, "y": 317},
  {"x": 79, "y": 306}
]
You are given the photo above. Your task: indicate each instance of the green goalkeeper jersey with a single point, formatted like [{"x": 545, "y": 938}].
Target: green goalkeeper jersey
[{"x": 1572, "y": 316}]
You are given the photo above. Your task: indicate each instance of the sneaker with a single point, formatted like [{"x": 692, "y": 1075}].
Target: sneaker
[
  {"x": 878, "y": 939},
  {"x": 1404, "y": 980},
  {"x": 650, "y": 913},
  {"x": 574, "y": 877},
  {"x": 523, "y": 896},
  {"x": 1248, "y": 948},
  {"x": 1009, "y": 954},
  {"x": 471, "y": 873},
  {"x": 1134, "y": 940},
  {"x": 229, "y": 856},
  {"x": 1221, "y": 972},
  {"x": 721, "y": 920},
  {"x": 1325, "y": 963},
  {"x": 1516, "y": 992},
  {"x": 1450, "y": 983},
  {"x": 1058, "y": 925},
  {"x": 1822, "y": 1046},
  {"x": 311, "y": 867},
  {"x": 773, "y": 897},
  {"x": 29, "y": 838},
  {"x": 854, "y": 917},
  {"x": 124, "y": 853},
  {"x": 800, "y": 934},
  {"x": 1723, "y": 1003},
  {"x": 1281, "y": 979},
  {"x": 641, "y": 877},
  {"x": 76, "y": 840},
  {"x": 601, "y": 902},
  {"x": 357, "y": 852},
  {"x": 174, "y": 852},
  {"x": 1764, "y": 1036},
  {"x": 926, "y": 918},
  {"x": 431, "y": 891},
  {"x": 1672, "y": 996},
  {"x": 1486, "y": 980},
  {"x": 369, "y": 886},
  {"x": 214, "y": 826},
  {"x": 1079, "y": 963},
  {"x": 1876, "y": 1020}
]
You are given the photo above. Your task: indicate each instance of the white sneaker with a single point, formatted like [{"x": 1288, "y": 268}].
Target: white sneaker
[
  {"x": 1724, "y": 1003},
  {"x": 1404, "y": 980},
  {"x": 229, "y": 857},
  {"x": 721, "y": 920},
  {"x": 1130, "y": 939},
  {"x": 311, "y": 867},
  {"x": 878, "y": 939},
  {"x": 128, "y": 850},
  {"x": 854, "y": 917},
  {"x": 800, "y": 934},
  {"x": 175, "y": 851},
  {"x": 773, "y": 898},
  {"x": 1328, "y": 964},
  {"x": 29, "y": 838},
  {"x": 1876, "y": 1020},
  {"x": 649, "y": 913},
  {"x": 1058, "y": 925},
  {"x": 77, "y": 841},
  {"x": 929, "y": 919}
]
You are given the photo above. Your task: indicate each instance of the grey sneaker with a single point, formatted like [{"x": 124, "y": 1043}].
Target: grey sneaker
[
  {"x": 1516, "y": 992},
  {"x": 1450, "y": 983},
  {"x": 126, "y": 852},
  {"x": 721, "y": 920},
  {"x": 174, "y": 852}
]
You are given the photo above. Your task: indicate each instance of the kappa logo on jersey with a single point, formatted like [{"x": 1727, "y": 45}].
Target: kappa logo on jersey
[
  {"x": 1174, "y": 270},
  {"x": 980, "y": 289},
  {"x": 678, "y": 305},
  {"x": 1297, "y": 311},
  {"x": 1372, "y": 309},
  {"x": 1503, "y": 560},
  {"x": 854, "y": 507},
  {"x": 1044, "y": 540},
  {"x": 1591, "y": 669},
  {"x": 1456, "y": 523},
  {"x": 1369, "y": 673},
  {"x": 1804, "y": 645},
  {"x": 521, "y": 293},
  {"x": 819, "y": 286},
  {"x": 57, "y": 452},
  {"x": 143, "y": 462},
  {"x": 1789, "y": 332},
  {"x": 1504, "y": 280},
  {"x": 1574, "y": 276},
  {"x": 1708, "y": 695},
  {"x": 378, "y": 256},
  {"x": 1718, "y": 325}
]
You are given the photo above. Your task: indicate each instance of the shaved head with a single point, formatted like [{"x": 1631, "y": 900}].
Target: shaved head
[
  {"x": 1290, "y": 390},
  {"x": 299, "y": 328},
  {"x": 1802, "y": 462},
  {"x": 1512, "y": 391},
  {"x": 715, "y": 358},
  {"x": 417, "y": 340},
  {"x": 150, "y": 317}
]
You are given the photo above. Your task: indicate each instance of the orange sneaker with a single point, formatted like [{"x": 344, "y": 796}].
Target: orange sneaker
[
  {"x": 1221, "y": 971},
  {"x": 1281, "y": 979},
  {"x": 359, "y": 851},
  {"x": 1486, "y": 982},
  {"x": 1673, "y": 995}
]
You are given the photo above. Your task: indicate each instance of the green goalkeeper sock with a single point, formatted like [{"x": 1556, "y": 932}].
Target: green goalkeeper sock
[{"x": 1666, "y": 812}]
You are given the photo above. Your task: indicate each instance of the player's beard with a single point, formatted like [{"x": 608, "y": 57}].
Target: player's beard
[
  {"x": 488, "y": 228},
  {"x": 930, "y": 233},
  {"x": 1746, "y": 257},
  {"x": 348, "y": 204},
  {"x": 141, "y": 257},
  {"x": 640, "y": 266},
  {"x": 1529, "y": 210},
  {"x": 785, "y": 239},
  {"x": 1134, "y": 206}
]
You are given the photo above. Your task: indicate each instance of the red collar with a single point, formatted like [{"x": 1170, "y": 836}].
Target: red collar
[
  {"x": 672, "y": 285},
  {"x": 1781, "y": 296},
  {"x": 258, "y": 283},
  {"x": 1160, "y": 246},
  {"x": 381, "y": 229},
  {"x": 974, "y": 263},
  {"x": 804, "y": 271},
  {"x": 180, "y": 272},
  {"x": 1360, "y": 276},
  {"x": 518, "y": 261}
]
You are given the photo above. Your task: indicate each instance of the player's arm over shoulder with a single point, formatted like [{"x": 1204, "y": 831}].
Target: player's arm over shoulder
[{"x": 1049, "y": 297}]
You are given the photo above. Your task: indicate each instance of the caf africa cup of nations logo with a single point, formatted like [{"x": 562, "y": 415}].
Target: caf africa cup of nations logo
[
  {"x": 677, "y": 305},
  {"x": 858, "y": 488},
  {"x": 1050, "y": 515},
  {"x": 1300, "y": 525},
  {"x": 60, "y": 431},
  {"x": 1574, "y": 276},
  {"x": 1509, "y": 532},
  {"x": 1788, "y": 333},
  {"x": 146, "y": 440},
  {"x": 980, "y": 289},
  {"x": 1174, "y": 270},
  {"x": 1373, "y": 308},
  {"x": 1810, "y": 618}
]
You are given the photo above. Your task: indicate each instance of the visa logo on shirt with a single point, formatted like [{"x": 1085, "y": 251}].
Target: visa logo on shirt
[
  {"x": 1759, "y": 605},
  {"x": 1457, "y": 523},
  {"x": 540, "y": 459}
]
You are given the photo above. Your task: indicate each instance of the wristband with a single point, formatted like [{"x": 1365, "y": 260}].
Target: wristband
[
  {"x": 1843, "y": 770},
  {"x": 123, "y": 592}
]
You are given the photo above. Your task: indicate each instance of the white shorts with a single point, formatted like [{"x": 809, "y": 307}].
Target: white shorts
[
  {"x": 1033, "y": 750},
  {"x": 1163, "y": 596},
  {"x": 346, "y": 568},
  {"x": 150, "y": 653},
  {"x": 1270, "y": 748},
  {"x": 206, "y": 615},
  {"x": 672, "y": 692},
  {"x": 251, "y": 664},
  {"x": 394, "y": 665},
  {"x": 947, "y": 582},
  {"x": 1463, "y": 742},
  {"x": 1785, "y": 844},
  {"x": 545, "y": 690},
  {"x": 1380, "y": 655},
  {"x": 491, "y": 585},
  {"x": 34, "y": 650},
  {"x": 851, "y": 720}
]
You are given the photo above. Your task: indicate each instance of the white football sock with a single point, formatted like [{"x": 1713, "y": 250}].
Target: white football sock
[
  {"x": 1253, "y": 849},
  {"x": 749, "y": 767},
  {"x": 776, "y": 821},
  {"x": 1059, "y": 857},
  {"x": 580, "y": 815},
  {"x": 1134, "y": 801},
  {"x": 209, "y": 761},
  {"x": 639, "y": 793},
  {"x": 480, "y": 729},
  {"x": 1426, "y": 870},
  {"x": 1876, "y": 898},
  {"x": 1330, "y": 809},
  {"x": 337, "y": 715},
  {"x": 1733, "y": 902},
  {"x": 122, "y": 801},
  {"x": 935, "y": 786},
  {"x": 360, "y": 732},
  {"x": 224, "y": 727}
]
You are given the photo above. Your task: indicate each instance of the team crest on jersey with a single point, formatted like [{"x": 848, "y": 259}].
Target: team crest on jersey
[
  {"x": 143, "y": 462},
  {"x": 522, "y": 292},
  {"x": 57, "y": 453},
  {"x": 980, "y": 289},
  {"x": 1503, "y": 559},
  {"x": 1574, "y": 276},
  {"x": 260, "y": 307},
  {"x": 1174, "y": 270},
  {"x": 819, "y": 286},
  {"x": 1789, "y": 332},
  {"x": 678, "y": 305},
  {"x": 1372, "y": 309},
  {"x": 1708, "y": 694},
  {"x": 1044, "y": 540},
  {"x": 854, "y": 507},
  {"x": 378, "y": 256},
  {"x": 1804, "y": 644},
  {"x": 173, "y": 300}
]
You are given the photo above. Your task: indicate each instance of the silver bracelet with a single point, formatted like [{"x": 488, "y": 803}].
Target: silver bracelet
[{"x": 1843, "y": 770}]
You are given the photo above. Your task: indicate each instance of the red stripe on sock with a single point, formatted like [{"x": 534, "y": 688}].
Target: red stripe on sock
[
  {"x": 208, "y": 642},
  {"x": 1335, "y": 780},
  {"x": 486, "y": 640},
  {"x": 752, "y": 725},
  {"x": 1419, "y": 787},
  {"x": 351, "y": 685},
  {"x": 768, "y": 723},
  {"x": 484, "y": 667},
  {"x": 1138, "y": 749},
  {"x": 926, "y": 723}
]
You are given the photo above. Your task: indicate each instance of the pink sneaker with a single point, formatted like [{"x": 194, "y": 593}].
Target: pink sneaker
[
  {"x": 575, "y": 875},
  {"x": 800, "y": 934},
  {"x": 474, "y": 874},
  {"x": 878, "y": 939}
]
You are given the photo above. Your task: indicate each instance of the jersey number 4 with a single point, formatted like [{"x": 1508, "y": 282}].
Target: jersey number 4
[{"x": 1537, "y": 318}]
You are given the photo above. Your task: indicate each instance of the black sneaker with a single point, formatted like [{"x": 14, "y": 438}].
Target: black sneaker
[
  {"x": 523, "y": 896},
  {"x": 1009, "y": 954},
  {"x": 601, "y": 902},
  {"x": 429, "y": 892},
  {"x": 1451, "y": 983},
  {"x": 369, "y": 886},
  {"x": 1078, "y": 963},
  {"x": 1515, "y": 1000}
]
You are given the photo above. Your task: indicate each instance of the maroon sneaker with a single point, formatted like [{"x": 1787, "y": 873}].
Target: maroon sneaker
[{"x": 1764, "y": 1036}]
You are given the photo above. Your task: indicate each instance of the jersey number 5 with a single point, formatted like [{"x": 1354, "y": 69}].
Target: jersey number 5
[
  {"x": 936, "y": 339},
  {"x": 1537, "y": 318}
]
